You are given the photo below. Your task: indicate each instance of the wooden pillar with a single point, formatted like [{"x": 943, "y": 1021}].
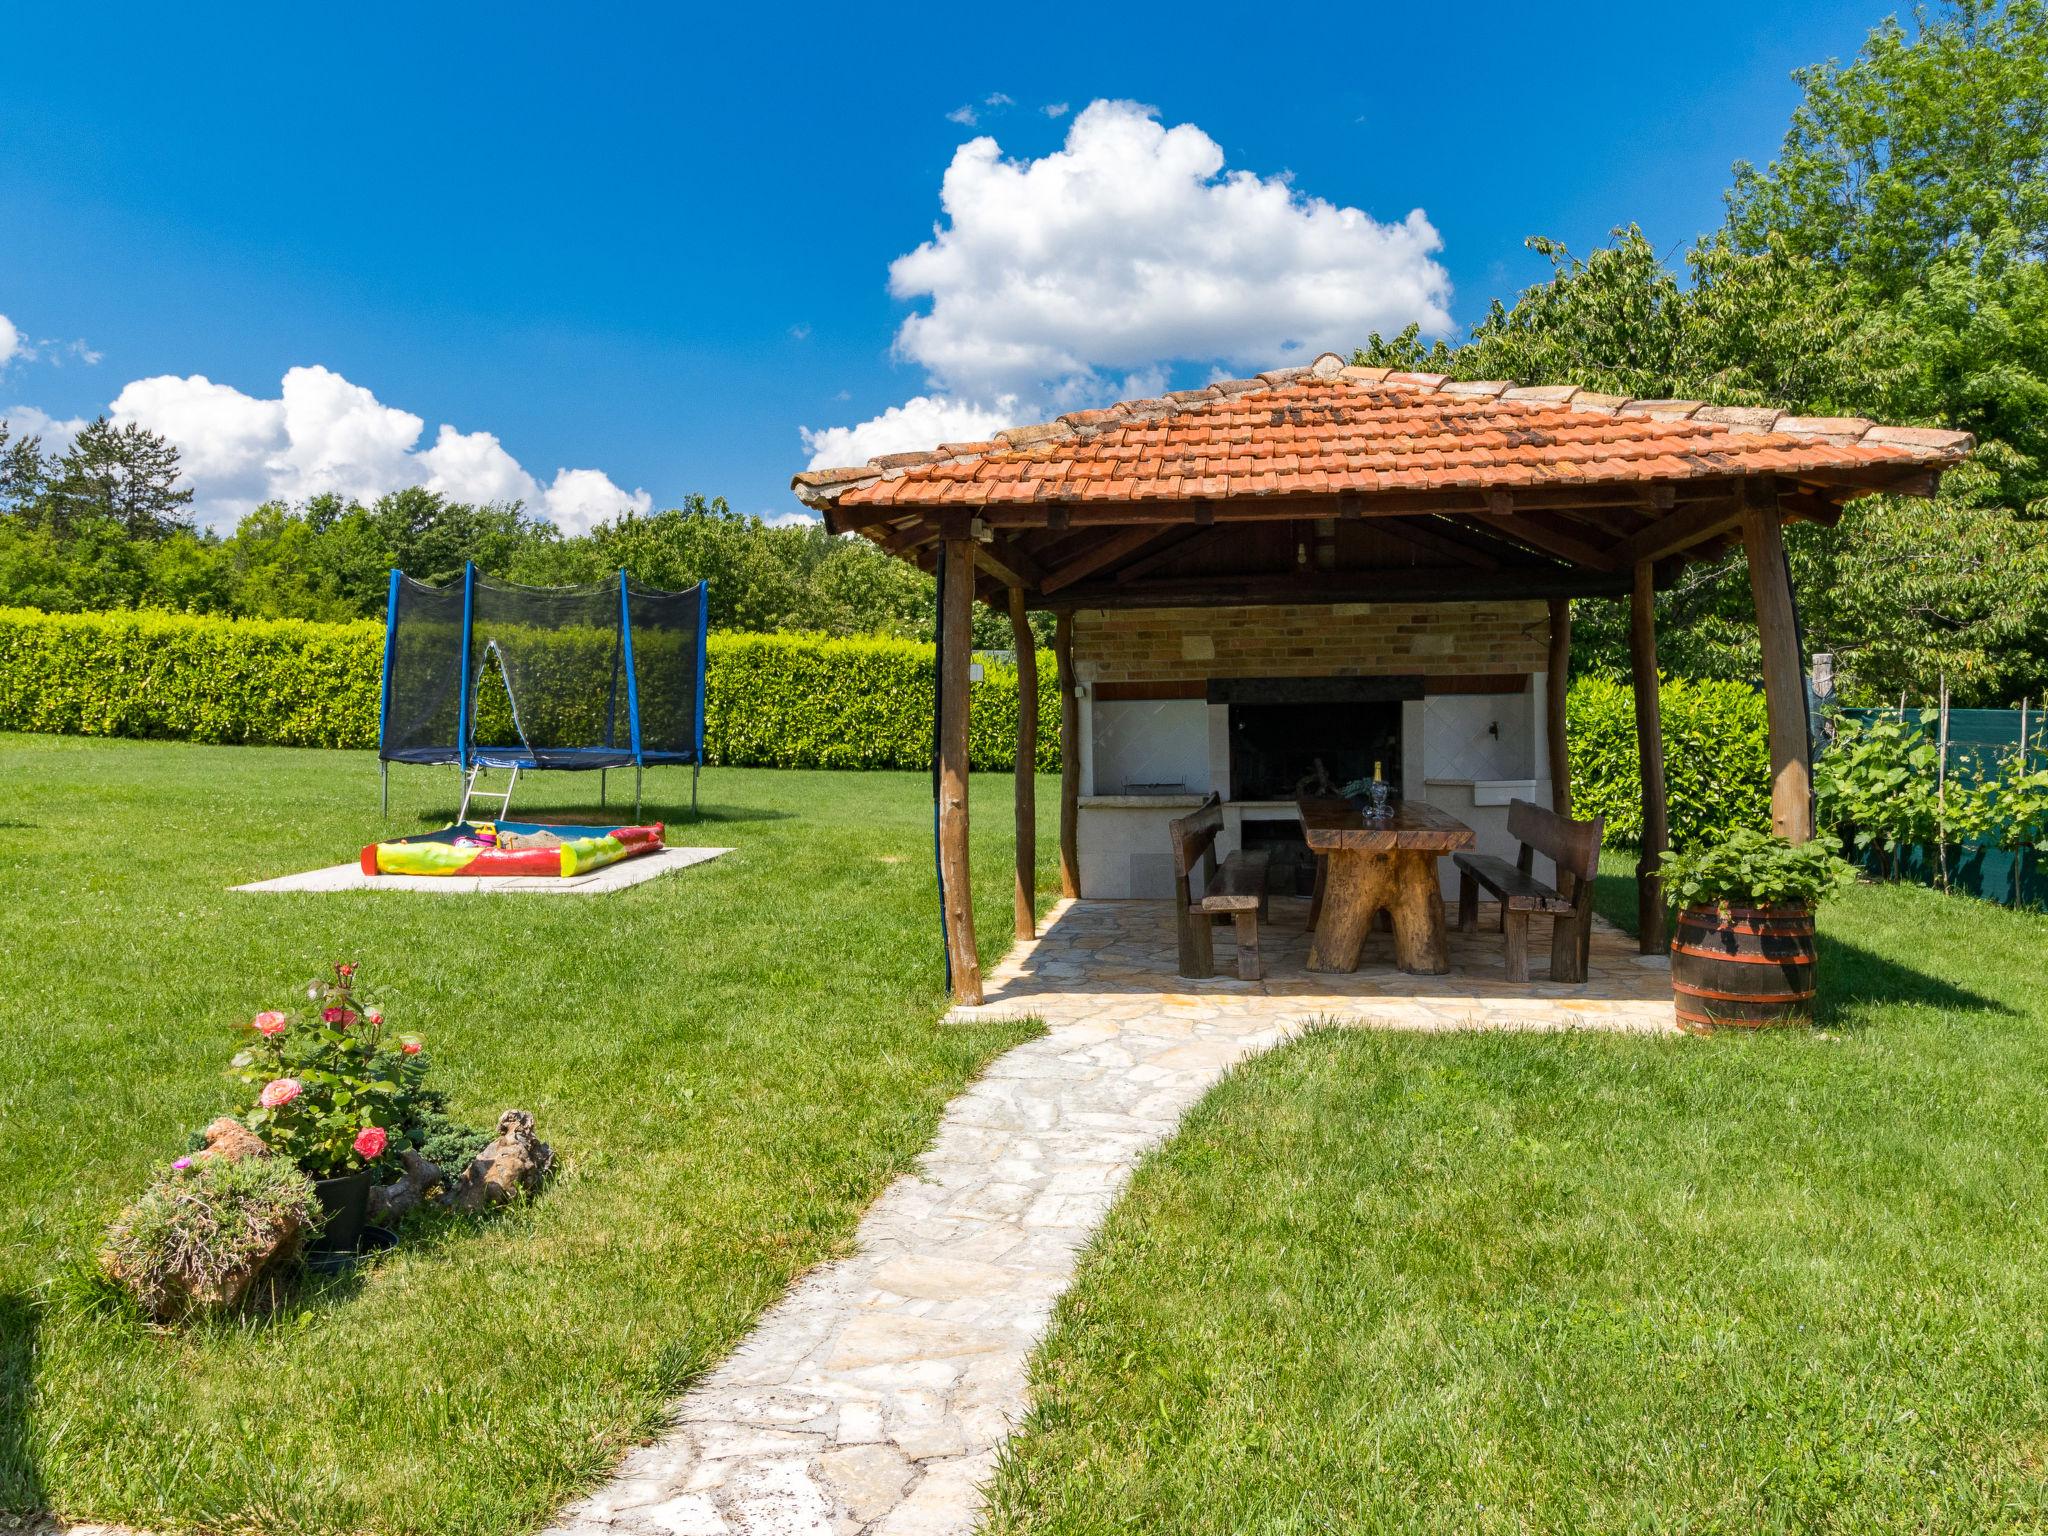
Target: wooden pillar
[
  {"x": 1070, "y": 757},
  {"x": 1027, "y": 766},
  {"x": 1642, "y": 648},
  {"x": 1784, "y": 673},
  {"x": 1560, "y": 678},
  {"x": 956, "y": 654}
]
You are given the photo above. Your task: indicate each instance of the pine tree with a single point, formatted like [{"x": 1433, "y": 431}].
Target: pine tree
[{"x": 127, "y": 474}]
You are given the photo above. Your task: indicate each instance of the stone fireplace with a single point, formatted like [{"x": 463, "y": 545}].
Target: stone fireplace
[{"x": 1447, "y": 697}]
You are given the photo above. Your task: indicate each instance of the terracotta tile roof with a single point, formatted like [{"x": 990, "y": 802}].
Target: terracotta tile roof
[{"x": 1329, "y": 427}]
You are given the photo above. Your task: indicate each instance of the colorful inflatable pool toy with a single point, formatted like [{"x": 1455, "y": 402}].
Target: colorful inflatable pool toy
[{"x": 510, "y": 848}]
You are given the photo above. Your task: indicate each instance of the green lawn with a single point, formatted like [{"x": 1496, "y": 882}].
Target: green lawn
[
  {"x": 1506, "y": 1283},
  {"x": 730, "y": 1062}
]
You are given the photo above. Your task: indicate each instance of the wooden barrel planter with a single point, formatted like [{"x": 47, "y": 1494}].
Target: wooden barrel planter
[{"x": 1752, "y": 968}]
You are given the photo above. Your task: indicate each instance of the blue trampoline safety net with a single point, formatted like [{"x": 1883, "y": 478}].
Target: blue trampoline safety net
[{"x": 603, "y": 676}]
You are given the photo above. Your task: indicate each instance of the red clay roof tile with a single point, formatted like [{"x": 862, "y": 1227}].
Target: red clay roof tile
[{"x": 1334, "y": 428}]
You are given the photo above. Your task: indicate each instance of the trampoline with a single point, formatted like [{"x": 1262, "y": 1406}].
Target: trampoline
[{"x": 487, "y": 676}]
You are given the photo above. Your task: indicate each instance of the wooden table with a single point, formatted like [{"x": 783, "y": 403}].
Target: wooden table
[{"x": 1365, "y": 866}]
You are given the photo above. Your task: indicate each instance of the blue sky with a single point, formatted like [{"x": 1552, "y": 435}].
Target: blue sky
[{"x": 656, "y": 246}]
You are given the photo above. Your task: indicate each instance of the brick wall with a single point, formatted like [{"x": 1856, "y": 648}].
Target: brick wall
[{"x": 1189, "y": 645}]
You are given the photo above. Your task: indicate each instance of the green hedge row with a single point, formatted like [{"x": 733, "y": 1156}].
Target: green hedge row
[
  {"x": 781, "y": 701},
  {"x": 1717, "y": 758},
  {"x": 772, "y": 701}
]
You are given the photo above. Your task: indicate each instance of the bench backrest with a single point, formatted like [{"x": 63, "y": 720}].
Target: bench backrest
[
  {"x": 1194, "y": 839},
  {"x": 1573, "y": 845}
]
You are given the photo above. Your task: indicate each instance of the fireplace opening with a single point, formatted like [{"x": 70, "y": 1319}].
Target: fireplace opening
[{"x": 1283, "y": 729}]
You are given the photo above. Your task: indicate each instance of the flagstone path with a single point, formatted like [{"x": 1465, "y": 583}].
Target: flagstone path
[{"x": 872, "y": 1400}]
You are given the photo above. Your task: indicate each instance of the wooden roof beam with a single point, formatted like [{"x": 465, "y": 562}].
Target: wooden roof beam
[
  {"x": 1414, "y": 584},
  {"x": 1152, "y": 560},
  {"x": 1506, "y": 517},
  {"x": 1110, "y": 550},
  {"x": 1078, "y": 514},
  {"x": 1427, "y": 539},
  {"x": 1682, "y": 529}
]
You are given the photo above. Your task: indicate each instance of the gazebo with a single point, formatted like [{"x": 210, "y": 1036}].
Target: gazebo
[{"x": 1352, "y": 495}]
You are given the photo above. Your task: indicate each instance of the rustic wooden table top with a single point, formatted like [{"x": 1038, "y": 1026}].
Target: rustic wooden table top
[{"x": 1410, "y": 827}]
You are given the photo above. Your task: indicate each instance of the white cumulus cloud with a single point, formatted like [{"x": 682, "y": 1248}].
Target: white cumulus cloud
[
  {"x": 922, "y": 422},
  {"x": 10, "y": 341},
  {"x": 325, "y": 434},
  {"x": 1124, "y": 253},
  {"x": 26, "y": 421},
  {"x": 1131, "y": 246}
]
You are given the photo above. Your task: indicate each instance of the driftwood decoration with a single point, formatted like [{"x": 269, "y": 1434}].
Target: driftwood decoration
[
  {"x": 392, "y": 1203},
  {"x": 515, "y": 1164}
]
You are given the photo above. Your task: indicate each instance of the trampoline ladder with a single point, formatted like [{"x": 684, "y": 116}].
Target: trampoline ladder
[{"x": 471, "y": 792}]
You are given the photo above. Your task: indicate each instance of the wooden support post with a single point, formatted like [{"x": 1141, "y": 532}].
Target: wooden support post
[
  {"x": 1784, "y": 674},
  {"x": 1027, "y": 766},
  {"x": 956, "y": 654},
  {"x": 1070, "y": 757},
  {"x": 1553, "y": 704},
  {"x": 1642, "y": 647}
]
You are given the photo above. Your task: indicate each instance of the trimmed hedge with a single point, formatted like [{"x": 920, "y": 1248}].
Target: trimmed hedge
[
  {"x": 771, "y": 701},
  {"x": 780, "y": 701},
  {"x": 1717, "y": 758}
]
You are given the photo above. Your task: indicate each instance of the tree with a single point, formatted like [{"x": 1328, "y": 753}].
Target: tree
[
  {"x": 23, "y": 474},
  {"x": 1889, "y": 264},
  {"x": 127, "y": 475}
]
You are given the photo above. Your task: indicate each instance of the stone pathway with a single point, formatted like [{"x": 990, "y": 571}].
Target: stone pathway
[{"x": 872, "y": 1399}]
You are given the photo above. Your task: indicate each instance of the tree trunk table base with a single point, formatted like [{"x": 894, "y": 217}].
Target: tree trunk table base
[
  {"x": 1404, "y": 886},
  {"x": 1368, "y": 867}
]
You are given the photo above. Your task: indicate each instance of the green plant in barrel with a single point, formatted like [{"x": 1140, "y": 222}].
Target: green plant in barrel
[{"x": 1742, "y": 950}]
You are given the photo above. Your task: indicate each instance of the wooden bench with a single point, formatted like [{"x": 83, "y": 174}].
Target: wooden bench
[
  {"x": 1575, "y": 846},
  {"x": 1236, "y": 890}
]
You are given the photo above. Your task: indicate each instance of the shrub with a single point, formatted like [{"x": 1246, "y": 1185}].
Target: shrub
[
  {"x": 1717, "y": 758},
  {"x": 771, "y": 701},
  {"x": 205, "y": 1233}
]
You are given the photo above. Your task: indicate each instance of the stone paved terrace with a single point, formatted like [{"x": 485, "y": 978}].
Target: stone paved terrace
[
  {"x": 1116, "y": 959},
  {"x": 872, "y": 1399}
]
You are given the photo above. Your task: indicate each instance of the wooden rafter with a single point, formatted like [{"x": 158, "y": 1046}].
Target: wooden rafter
[
  {"x": 1092, "y": 559},
  {"x": 1420, "y": 535},
  {"x": 1547, "y": 538}
]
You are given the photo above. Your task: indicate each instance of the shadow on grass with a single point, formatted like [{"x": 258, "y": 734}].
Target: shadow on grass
[
  {"x": 21, "y": 1488},
  {"x": 1850, "y": 975}
]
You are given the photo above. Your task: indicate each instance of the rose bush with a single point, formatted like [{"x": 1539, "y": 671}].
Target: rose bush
[{"x": 332, "y": 1094}]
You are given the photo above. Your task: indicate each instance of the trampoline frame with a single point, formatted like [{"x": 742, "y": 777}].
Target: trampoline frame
[{"x": 472, "y": 759}]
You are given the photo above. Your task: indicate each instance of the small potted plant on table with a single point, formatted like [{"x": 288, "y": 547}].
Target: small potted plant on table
[{"x": 1742, "y": 951}]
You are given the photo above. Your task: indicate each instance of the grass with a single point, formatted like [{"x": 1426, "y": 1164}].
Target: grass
[
  {"x": 730, "y": 1062},
  {"x": 1386, "y": 1282}
]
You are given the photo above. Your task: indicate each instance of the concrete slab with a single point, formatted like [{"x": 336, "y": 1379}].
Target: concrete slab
[{"x": 613, "y": 877}]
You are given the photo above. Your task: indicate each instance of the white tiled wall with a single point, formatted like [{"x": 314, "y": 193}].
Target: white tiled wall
[
  {"x": 1458, "y": 742},
  {"x": 1150, "y": 741}
]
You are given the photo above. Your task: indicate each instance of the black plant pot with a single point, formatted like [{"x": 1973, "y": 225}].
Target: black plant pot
[{"x": 345, "y": 1204}]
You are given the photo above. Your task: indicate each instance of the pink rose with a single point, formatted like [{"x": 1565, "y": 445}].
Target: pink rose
[
  {"x": 342, "y": 1016},
  {"x": 271, "y": 1022},
  {"x": 371, "y": 1141},
  {"x": 279, "y": 1092},
  {"x": 346, "y": 968},
  {"x": 374, "y": 1015},
  {"x": 410, "y": 1047}
]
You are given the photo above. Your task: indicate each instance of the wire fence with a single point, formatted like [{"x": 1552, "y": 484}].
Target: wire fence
[{"x": 1976, "y": 745}]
